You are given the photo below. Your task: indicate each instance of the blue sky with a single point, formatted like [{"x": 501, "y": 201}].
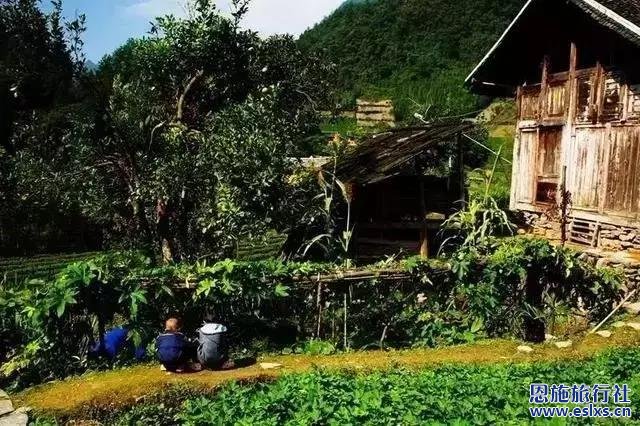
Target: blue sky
[{"x": 111, "y": 22}]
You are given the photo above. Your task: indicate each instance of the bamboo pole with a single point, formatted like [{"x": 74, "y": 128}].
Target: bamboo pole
[
  {"x": 625, "y": 300},
  {"x": 319, "y": 306}
]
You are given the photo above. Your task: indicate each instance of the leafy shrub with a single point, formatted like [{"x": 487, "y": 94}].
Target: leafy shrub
[
  {"x": 316, "y": 347},
  {"x": 56, "y": 320},
  {"x": 529, "y": 276}
]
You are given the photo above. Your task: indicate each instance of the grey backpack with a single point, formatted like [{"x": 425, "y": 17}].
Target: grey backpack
[{"x": 212, "y": 345}]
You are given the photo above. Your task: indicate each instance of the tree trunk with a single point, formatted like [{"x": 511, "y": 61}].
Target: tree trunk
[
  {"x": 534, "y": 328},
  {"x": 164, "y": 231},
  {"x": 142, "y": 224}
]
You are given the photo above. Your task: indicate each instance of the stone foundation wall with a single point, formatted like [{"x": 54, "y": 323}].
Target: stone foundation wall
[
  {"x": 614, "y": 246},
  {"x": 619, "y": 238},
  {"x": 540, "y": 226}
]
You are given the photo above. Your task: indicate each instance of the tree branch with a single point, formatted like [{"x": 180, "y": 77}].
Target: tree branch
[{"x": 187, "y": 89}]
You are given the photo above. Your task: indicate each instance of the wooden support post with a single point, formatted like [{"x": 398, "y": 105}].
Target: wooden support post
[
  {"x": 573, "y": 62},
  {"x": 564, "y": 206},
  {"x": 597, "y": 93},
  {"x": 345, "y": 342},
  {"x": 573, "y": 84},
  {"x": 518, "y": 105},
  {"x": 424, "y": 232},
  {"x": 461, "y": 172},
  {"x": 544, "y": 83},
  {"x": 562, "y": 195}
]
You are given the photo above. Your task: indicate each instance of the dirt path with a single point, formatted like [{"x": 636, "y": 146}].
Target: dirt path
[{"x": 123, "y": 387}]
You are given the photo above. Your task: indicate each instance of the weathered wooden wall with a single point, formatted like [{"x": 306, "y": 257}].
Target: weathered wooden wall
[{"x": 586, "y": 122}]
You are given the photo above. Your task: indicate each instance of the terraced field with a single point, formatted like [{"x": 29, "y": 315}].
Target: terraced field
[{"x": 16, "y": 269}]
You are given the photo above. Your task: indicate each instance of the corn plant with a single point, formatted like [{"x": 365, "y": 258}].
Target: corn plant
[{"x": 331, "y": 188}]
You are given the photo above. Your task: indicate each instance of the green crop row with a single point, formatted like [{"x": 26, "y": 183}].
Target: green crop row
[
  {"x": 42, "y": 259},
  {"x": 38, "y": 267}
]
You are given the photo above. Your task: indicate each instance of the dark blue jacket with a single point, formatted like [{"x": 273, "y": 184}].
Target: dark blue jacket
[
  {"x": 170, "y": 348},
  {"x": 115, "y": 341}
]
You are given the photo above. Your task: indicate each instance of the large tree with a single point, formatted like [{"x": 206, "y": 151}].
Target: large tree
[
  {"x": 189, "y": 148},
  {"x": 39, "y": 63},
  {"x": 180, "y": 142}
]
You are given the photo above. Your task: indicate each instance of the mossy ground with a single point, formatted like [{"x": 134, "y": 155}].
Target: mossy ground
[{"x": 122, "y": 388}]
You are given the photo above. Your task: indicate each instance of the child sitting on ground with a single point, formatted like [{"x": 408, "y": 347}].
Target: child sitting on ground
[{"x": 175, "y": 352}]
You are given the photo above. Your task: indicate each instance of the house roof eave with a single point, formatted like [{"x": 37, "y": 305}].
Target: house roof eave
[
  {"x": 617, "y": 23},
  {"x": 470, "y": 77}
]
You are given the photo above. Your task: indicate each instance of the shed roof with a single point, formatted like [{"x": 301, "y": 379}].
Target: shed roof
[
  {"x": 391, "y": 153},
  {"x": 622, "y": 17}
]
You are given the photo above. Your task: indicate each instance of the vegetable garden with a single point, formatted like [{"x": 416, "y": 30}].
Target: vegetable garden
[{"x": 460, "y": 394}]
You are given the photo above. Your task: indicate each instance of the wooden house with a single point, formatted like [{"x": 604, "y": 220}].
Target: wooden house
[
  {"x": 404, "y": 183},
  {"x": 574, "y": 68}
]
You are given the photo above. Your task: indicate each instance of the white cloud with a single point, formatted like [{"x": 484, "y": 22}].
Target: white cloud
[
  {"x": 287, "y": 16},
  {"x": 149, "y": 9},
  {"x": 265, "y": 16}
]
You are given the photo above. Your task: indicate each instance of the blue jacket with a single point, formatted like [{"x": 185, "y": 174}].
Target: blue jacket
[
  {"x": 170, "y": 348},
  {"x": 115, "y": 341}
]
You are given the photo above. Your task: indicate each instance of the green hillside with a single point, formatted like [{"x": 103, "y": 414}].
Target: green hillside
[{"x": 413, "y": 51}]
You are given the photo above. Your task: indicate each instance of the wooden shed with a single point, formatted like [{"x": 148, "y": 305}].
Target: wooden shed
[
  {"x": 405, "y": 183},
  {"x": 573, "y": 67}
]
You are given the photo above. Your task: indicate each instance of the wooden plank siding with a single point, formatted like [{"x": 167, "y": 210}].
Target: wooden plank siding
[
  {"x": 526, "y": 156},
  {"x": 584, "y": 156},
  {"x": 622, "y": 178},
  {"x": 587, "y": 120},
  {"x": 529, "y": 102}
]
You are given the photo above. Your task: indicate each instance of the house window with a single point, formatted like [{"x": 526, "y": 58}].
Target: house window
[
  {"x": 633, "y": 102},
  {"x": 584, "y": 104},
  {"x": 612, "y": 99},
  {"x": 548, "y": 165}
]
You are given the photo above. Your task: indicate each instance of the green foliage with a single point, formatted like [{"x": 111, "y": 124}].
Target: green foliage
[
  {"x": 416, "y": 52},
  {"x": 482, "y": 394},
  {"x": 39, "y": 66},
  {"x": 269, "y": 246},
  {"x": 498, "y": 179},
  {"x": 315, "y": 347},
  {"x": 481, "y": 291},
  {"x": 54, "y": 322},
  {"x": 524, "y": 278}
]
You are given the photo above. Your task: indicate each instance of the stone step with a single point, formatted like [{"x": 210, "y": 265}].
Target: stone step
[
  {"x": 9, "y": 417},
  {"x": 6, "y": 407},
  {"x": 17, "y": 418}
]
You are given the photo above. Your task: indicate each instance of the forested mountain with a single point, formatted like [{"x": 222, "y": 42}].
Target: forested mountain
[{"x": 414, "y": 51}]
